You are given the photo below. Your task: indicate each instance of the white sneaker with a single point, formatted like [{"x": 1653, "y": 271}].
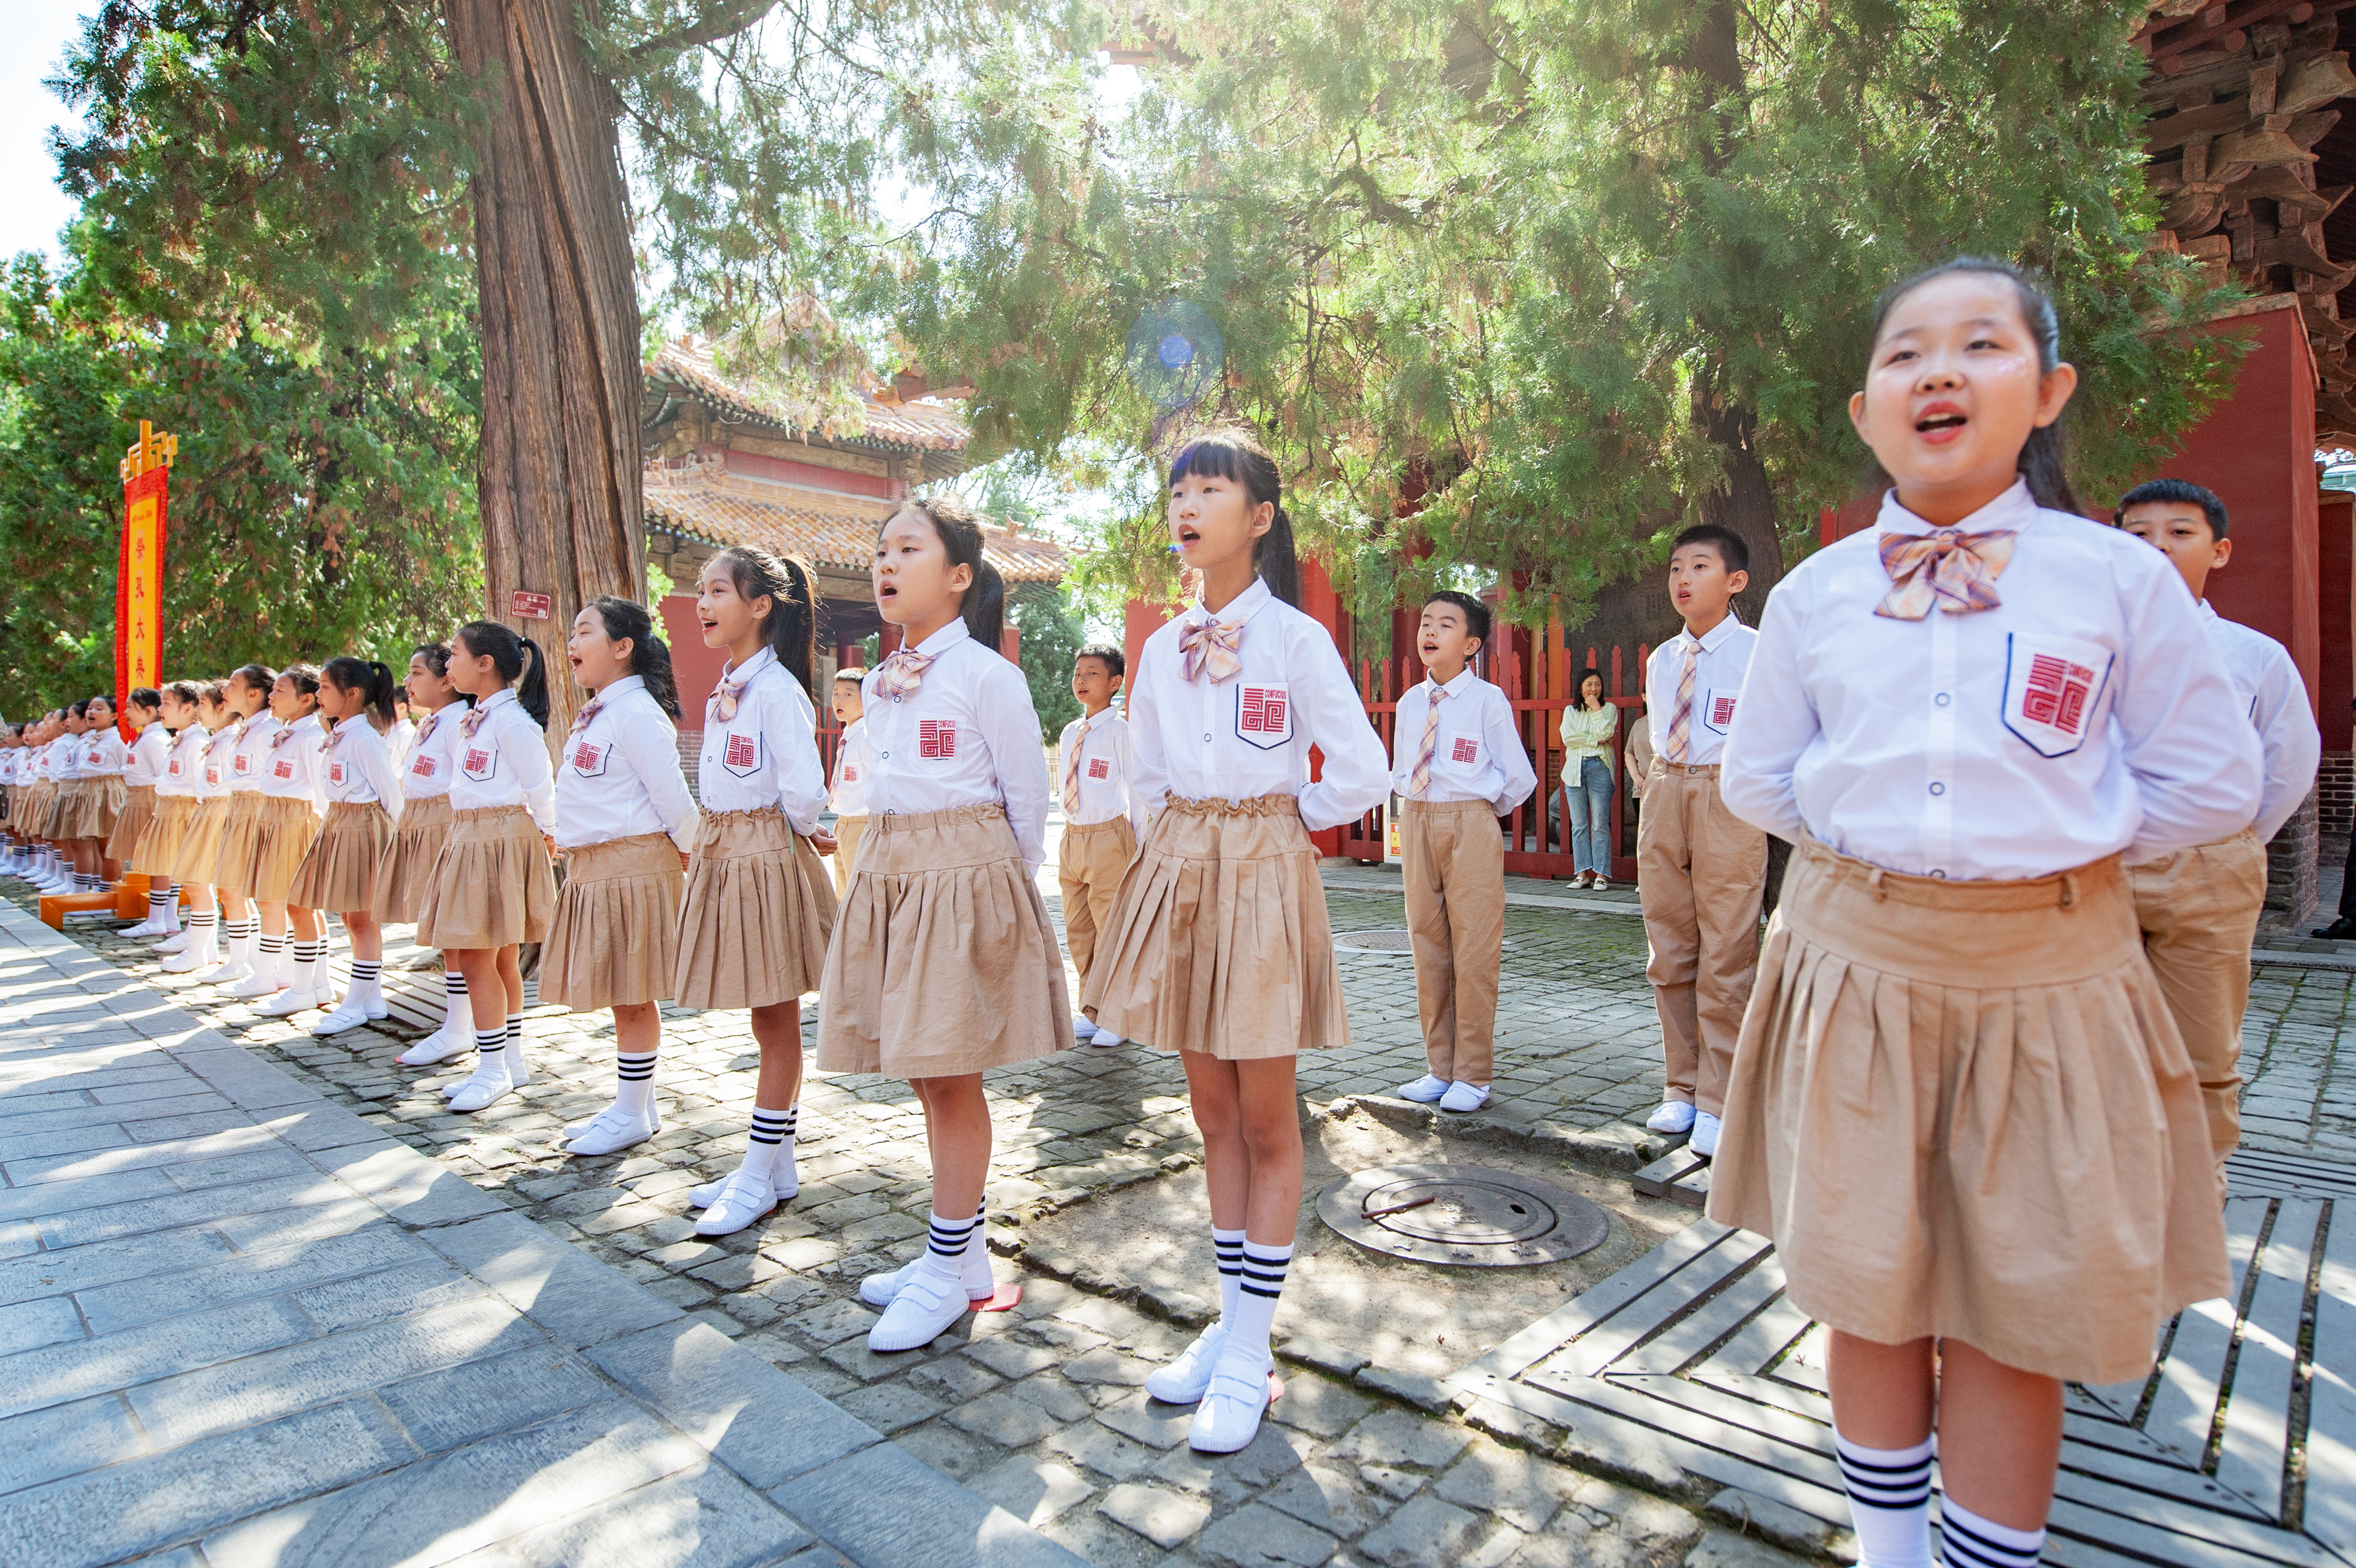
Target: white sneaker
[
  {"x": 981, "y": 1285},
  {"x": 488, "y": 1085},
  {"x": 1228, "y": 1419},
  {"x": 1084, "y": 1028},
  {"x": 144, "y": 928},
  {"x": 346, "y": 1016},
  {"x": 1705, "y": 1135},
  {"x": 1425, "y": 1089},
  {"x": 438, "y": 1047},
  {"x": 927, "y": 1306},
  {"x": 227, "y": 973},
  {"x": 1106, "y": 1040},
  {"x": 287, "y": 1003},
  {"x": 1462, "y": 1097},
  {"x": 254, "y": 985},
  {"x": 654, "y": 1113},
  {"x": 1185, "y": 1380},
  {"x": 739, "y": 1203},
  {"x": 1674, "y": 1116},
  {"x": 176, "y": 942},
  {"x": 785, "y": 1181},
  {"x": 614, "y": 1132}
]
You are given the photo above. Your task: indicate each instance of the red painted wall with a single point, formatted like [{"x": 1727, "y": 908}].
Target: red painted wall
[
  {"x": 697, "y": 667},
  {"x": 2335, "y": 614}
]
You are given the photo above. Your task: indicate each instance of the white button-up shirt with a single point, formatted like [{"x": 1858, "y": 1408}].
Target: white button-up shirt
[
  {"x": 767, "y": 754},
  {"x": 854, "y": 764},
  {"x": 356, "y": 767},
  {"x": 218, "y": 760},
  {"x": 969, "y": 736},
  {"x": 504, "y": 762},
  {"x": 144, "y": 765},
  {"x": 184, "y": 762},
  {"x": 249, "y": 750},
  {"x": 2274, "y": 698},
  {"x": 619, "y": 776},
  {"x": 2076, "y": 719},
  {"x": 432, "y": 758},
  {"x": 1719, "y": 673},
  {"x": 1249, "y": 734},
  {"x": 291, "y": 767},
  {"x": 65, "y": 756},
  {"x": 103, "y": 755},
  {"x": 1477, "y": 753},
  {"x": 1107, "y": 758}
]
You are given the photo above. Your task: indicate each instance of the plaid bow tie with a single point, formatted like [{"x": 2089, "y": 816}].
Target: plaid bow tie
[
  {"x": 426, "y": 730},
  {"x": 285, "y": 733},
  {"x": 596, "y": 706},
  {"x": 472, "y": 721},
  {"x": 334, "y": 738},
  {"x": 724, "y": 696},
  {"x": 1212, "y": 644},
  {"x": 1946, "y": 567},
  {"x": 903, "y": 673}
]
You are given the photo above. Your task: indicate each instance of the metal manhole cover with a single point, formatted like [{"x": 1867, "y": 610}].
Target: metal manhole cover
[
  {"x": 1397, "y": 943},
  {"x": 1462, "y": 1216}
]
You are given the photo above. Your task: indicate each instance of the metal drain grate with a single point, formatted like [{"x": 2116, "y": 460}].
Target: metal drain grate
[
  {"x": 1394, "y": 944},
  {"x": 1462, "y": 1216}
]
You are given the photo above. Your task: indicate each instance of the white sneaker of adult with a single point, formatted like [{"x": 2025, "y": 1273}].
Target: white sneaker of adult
[
  {"x": 287, "y": 1003},
  {"x": 1705, "y": 1135},
  {"x": 1425, "y": 1089},
  {"x": 1106, "y": 1040},
  {"x": 1084, "y": 1028},
  {"x": 1228, "y": 1419},
  {"x": 981, "y": 1285},
  {"x": 1462, "y": 1097},
  {"x": 344, "y": 1016},
  {"x": 1674, "y": 1116},
  {"x": 742, "y": 1200},
  {"x": 929, "y": 1303},
  {"x": 611, "y": 1132},
  {"x": 176, "y": 942},
  {"x": 1185, "y": 1380},
  {"x": 438, "y": 1047},
  {"x": 487, "y": 1085}
]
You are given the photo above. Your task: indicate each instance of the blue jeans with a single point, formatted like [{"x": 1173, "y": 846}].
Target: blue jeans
[{"x": 1588, "y": 799}]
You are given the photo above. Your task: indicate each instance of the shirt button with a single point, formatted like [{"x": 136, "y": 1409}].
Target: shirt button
[
  {"x": 1206, "y": 740},
  {"x": 886, "y": 756},
  {"x": 1943, "y": 699},
  {"x": 1938, "y": 788}
]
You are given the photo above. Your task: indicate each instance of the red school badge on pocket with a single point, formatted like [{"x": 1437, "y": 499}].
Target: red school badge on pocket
[
  {"x": 283, "y": 769},
  {"x": 935, "y": 738},
  {"x": 2053, "y": 690},
  {"x": 423, "y": 767},
  {"x": 480, "y": 760},
  {"x": 336, "y": 772},
  {"x": 1263, "y": 715},
  {"x": 1099, "y": 768},
  {"x": 588, "y": 760},
  {"x": 1465, "y": 750},
  {"x": 741, "y": 754}
]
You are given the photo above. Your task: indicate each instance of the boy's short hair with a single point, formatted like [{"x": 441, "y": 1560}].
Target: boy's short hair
[
  {"x": 1731, "y": 551},
  {"x": 1476, "y": 614},
  {"x": 852, "y": 676},
  {"x": 2181, "y": 492},
  {"x": 1115, "y": 663}
]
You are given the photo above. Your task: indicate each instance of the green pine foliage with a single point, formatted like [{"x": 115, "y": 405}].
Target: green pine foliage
[{"x": 1050, "y": 623}]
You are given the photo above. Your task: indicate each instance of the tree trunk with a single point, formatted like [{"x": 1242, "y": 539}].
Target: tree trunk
[{"x": 559, "y": 482}]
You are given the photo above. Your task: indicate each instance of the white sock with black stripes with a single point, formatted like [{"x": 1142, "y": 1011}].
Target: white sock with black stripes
[
  {"x": 201, "y": 933},
  {"x": 1967, "y": 1541},
  {"x": 1249, "y": 1331},
  {"x": 1889, "y": 1499},
  {"x": 309, "y": 973},
  {"x": 1229, "y": 1247},
  {"x": 772, "y": 1134},
  {"x": 458, "y": 1008},
  {"x": 267, "y": 952},
  {"x": 159, "y": 907},
  {"x": 635, "y": 1073},
  {"x": 944, "y": 1249},
  {"x": 237, "y": 940},
  {"x": 488, "y": 1045},
  {"x": 171, "y": 906},
  {"x": 366, "y": 989}
]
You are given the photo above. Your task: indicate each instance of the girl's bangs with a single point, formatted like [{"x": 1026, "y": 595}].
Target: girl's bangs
[{"x": 1210, "y": 457}]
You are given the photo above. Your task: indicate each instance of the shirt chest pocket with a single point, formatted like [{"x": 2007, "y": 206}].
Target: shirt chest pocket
[
  {"x": 281, "y": 768},
  {"x": 423, "y": 767},
  {"x": 1716, "y": 708},
  {"x": 479, "y": 761},
  {"x": 1263, "y": 715},
  {"x": 243, "y": 766},
  {"x": 740, "y": 752},
  {"x": 336, "y": 772},
  {"x": 1460, "y": 750},
  {"x": 2053, "y": 691},
  {"x": 589, "y": 758}
]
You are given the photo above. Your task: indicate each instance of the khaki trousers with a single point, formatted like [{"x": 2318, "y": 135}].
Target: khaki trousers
[
  {"x": 1700, "y": 873},
  {"x": 1456, "y": 919},
  {"x": 1089, "y": 864},
  {"x": 846, "y": 851},
  {"x": 2198, "y": 910}
]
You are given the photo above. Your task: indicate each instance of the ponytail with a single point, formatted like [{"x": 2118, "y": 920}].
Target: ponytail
[
  {"x": 650, "y": 655},
  {"x": 791, "y": 629},
  {"x": 372, "y": 680},
  {"x": 506, "y": 650},
  {"x": 1231, "y": 452},
  {"x": 983, "y": 606}
]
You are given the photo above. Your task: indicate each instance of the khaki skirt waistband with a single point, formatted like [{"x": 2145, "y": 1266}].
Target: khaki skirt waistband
[{"x": 1447, "y": 809}]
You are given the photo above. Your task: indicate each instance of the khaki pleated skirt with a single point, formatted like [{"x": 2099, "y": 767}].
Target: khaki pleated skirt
[
  {"x": 241, "y": 841},
  {"x": 1219, "y": 942},
  {"x": 407, "y": 870},
  {"x": 158, "y": 848},
  {"x": 288, "y": 828},
  {"x": 33, "y": 812},
  {"x": 92, "y": 808},
  {"x": 1962, "y": 1108},
  {"x": 338, "y": 872},
  {"x": 943, "y": 961},
  {"x": 492, "y": 885},
  {"x": 615, "y": 941},
  {"x": 138, "y": 811},
  {"x": 199, "y": 858},
  {"x": 759, "y": 908}
]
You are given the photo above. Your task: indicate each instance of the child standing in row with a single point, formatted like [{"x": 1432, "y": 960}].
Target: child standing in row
[
  {"x": 142, "y": 767},
  {"x": 1960, "y": 1107},
  {"x": 101, "y": 796},
  {"x": 363, "y": 796},
  {"x": 427, "y": 764},
  {"x": 198, "y": 856},
  {"x": 943, "y": 963},
  {"x": 158, "y": 852},
  {"x": 1219, "y": 946},
  {"x": 247, "y": 743},
  {"x": 759, "y": 907},
  {"x": 289, "y": 824},
  {"x": 1701, "y": 871},
  {"x": 493, "y": 887},
  {"x": 1458, "y": 765},
  {"x": 624, "y": 822},
  {"x": 1100, "y": 816},
  {"x": 2199, "y": 908},
  {"x": 852, "y": 765}
]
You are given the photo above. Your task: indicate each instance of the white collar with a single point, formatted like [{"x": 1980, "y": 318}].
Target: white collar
[
  {"x": 2207, "y": 609},
  {"x": 1453, "y": 688},
  {"x": 1711, "y": 640},
  {"x": 497, "y": 699},
  {"x": 739, "y": 675},
  {"x": 628, "y": 683},
  {"x": 1240, "y": 608},
  {"x": 2014, "y": 509},
  {"x": 941, "y": 641},
  {"x": 343, "y": 724}
]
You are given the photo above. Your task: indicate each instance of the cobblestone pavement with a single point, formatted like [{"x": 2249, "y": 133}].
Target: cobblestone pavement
[{"x": 1040, "y": 1409}]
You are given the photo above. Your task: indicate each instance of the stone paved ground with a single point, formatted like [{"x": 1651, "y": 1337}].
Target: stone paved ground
[{"x": 1039, "y": 1409}]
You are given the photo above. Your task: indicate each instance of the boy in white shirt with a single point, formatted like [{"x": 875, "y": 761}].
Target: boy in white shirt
[
  {"x": 1101, "y": 818},
  {"x": 852, "y": 767},
  {"x": 2199, "y": 908},
  {"x": 1458, "y": 765},
  {"x": 1700, "y": 870}
]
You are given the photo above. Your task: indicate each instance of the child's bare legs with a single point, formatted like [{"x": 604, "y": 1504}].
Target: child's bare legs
[
  {"x": 957, "y": 1132},
  {"x": 1250, "y": 1117},
  {"x": 766, "y": 1174},
  {"x": 777, "y": 1030},
  {"x": 953, "y": 1271},
  {"x": 368, "y": 937},
  {"x": 630, "y": 1120}
]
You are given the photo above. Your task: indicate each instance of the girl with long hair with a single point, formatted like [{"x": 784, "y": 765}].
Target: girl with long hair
[
  {"x": 291, "y": 808},
  {"x": 203, "y": 757},
  {"x": 246, "y": 697},
  {"x": 363, "y": 796},
  {"x": 427, "y": 764}
]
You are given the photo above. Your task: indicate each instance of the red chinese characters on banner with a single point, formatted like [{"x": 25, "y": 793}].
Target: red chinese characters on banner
[{"x": 139, "y": 574}]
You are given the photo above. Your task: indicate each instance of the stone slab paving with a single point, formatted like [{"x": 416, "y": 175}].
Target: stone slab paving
[{"x": 240, "y": 1324}]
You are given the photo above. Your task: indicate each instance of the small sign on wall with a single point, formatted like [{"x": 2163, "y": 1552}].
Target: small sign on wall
[{"x": 529, "y": 606}]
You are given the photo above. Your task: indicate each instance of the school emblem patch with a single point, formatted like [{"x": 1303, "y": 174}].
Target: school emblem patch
[
  {"x": 478, "y": 761},
  {"x": 588, "y": 760},
  {"x": 935, "y": 738},
  {"x": 244, "y": 764},
  {"x": 281, "y": 768},
  {"x": 2053, "y": 690},
  {"x": 423, "y": 767},
  {"x": 1099, "y": 768},
  {"x": 1264, "y": 716},
  {"x": 335, "y": 773},
  {"x": 1718, "y": 712},
  {"x": 173, "y": 767},
  {"x": 1464, "y": 750},
  {"x": 741, "y": 754}
]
